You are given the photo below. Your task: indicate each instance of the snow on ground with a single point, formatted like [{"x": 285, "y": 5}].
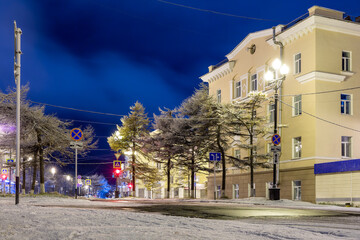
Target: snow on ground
[{"x": 34, "y": 218}]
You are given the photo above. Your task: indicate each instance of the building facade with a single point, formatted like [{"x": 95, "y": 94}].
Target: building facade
[{"x": 318, "y": 106}]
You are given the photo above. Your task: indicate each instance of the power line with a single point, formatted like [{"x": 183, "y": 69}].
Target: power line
[
  {"x": 324, "y": 120},
  {"x": 315, "y": 93},
  {"x": 79, "y": 110},
  {"x": 216, "y": 12}
]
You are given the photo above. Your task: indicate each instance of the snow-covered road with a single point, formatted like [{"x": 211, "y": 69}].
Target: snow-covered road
[{"x": 33, "y": 218}]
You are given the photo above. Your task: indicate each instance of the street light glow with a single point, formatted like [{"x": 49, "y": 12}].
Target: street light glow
[
  {"x": 53, "y": 170},
  {"x": 284, "y": 69},
  {"x": 269, "y": 76},
  {"x": 68, "y": 178},
  {"x": 276, "y": 64}
]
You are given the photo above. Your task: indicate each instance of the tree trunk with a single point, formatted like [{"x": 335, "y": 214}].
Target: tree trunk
[
  {"x": 193, "y": 175},
  {"x": 133, "y": 170},
  {"x": 223, "y": 186},
  {"x": 24, "y": 177},
  {"x": 168, "y": 178},
  {"x": 42, "y": 170},
  {"x": 34, "y": 172},
  {"x": 252, "y": 190}
]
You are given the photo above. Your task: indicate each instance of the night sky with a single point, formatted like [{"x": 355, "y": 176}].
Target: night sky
[{"x": 103, "y": 55}]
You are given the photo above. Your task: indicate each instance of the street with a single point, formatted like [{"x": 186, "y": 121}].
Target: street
[{"x": 65, "y": 218}]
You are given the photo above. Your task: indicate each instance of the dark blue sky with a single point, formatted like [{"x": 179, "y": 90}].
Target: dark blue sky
[{"x": 106, "y": 55}]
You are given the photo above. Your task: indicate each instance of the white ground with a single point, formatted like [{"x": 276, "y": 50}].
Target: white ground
[{"x": 28, "y": 220}]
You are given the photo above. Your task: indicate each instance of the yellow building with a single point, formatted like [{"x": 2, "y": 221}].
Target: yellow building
[{"x": 317, "y": 110}]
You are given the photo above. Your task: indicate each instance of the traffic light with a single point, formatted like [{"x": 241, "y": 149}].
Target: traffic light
[
  {"x": 3, "y": 177},
  {"x": 117, "y": 173},
  {"x": 130, "y": 185}
]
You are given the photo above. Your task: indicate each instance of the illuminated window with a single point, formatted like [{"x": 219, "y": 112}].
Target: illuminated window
[
  {"x": 345, "y": 106},
  {"x": 297, "y": 105},
  {"x": 297, "y": 61},
  {"x": 346, "y": 61},
  {"x": 297, "y": 147},
  {"x": 345, "y": 146}
]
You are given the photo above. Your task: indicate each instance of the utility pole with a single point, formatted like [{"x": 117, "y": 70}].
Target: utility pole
[{"x": 17, "y": 65}]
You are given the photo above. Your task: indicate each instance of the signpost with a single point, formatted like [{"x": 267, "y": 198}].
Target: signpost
[
  {"x": 9, "y": 160},
  {"x": 215, "y": 157},
  {"x": 77, "y": 135},
  {"x": 274, "y": 191},
  {"x": 88, "y": 182},
  {"x": 117, "y": 164}
]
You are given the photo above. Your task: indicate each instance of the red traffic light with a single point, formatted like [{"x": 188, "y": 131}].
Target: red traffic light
[
  {"x": 3, "y": 176},
  {"x": 130, "y": 185},
  {"x": 117, "y": 172}
]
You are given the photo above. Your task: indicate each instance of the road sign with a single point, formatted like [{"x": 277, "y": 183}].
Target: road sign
[
  {"x": 275, "y": 148},
  {"x": 276, "y": 139},
  {"x": 88, "y": 182},
  {"x": 117, "y": 155},
  {"x": 79, "y": 176},
  {"x": 76, "y": 134},
  {"x": 76, "y": 145},
  {"x": 215, "y": 156},
  {"x": 4, "y": 171},
  {"x": 9, "y": 160},
  {"x": 117, "y": 164}
]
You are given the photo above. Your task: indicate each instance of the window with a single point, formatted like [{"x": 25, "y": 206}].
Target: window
[
  {"x": 254, "y": 82},
  {"x": 268, "y": 149},
  {"x": 297, "y": 105},
  {"x": 236, "y": 191},
  {"x": 297, "y": 61},
  {"x": 237, "y": 153},
  {"x": 346, "y": 61},
  {"x": 297, "y": 147},
  {"x": 345, "y": 104},
  {"x": 345, "y": 146},
  {"x": 297, "y": 190},
  {"x": 238, "y": 89},
  {"x": 218, "y": 192},
  {"x": 219, "y": 96},
  {"x": 271, "y": 113},
  {"x": 158, "y": 166}
]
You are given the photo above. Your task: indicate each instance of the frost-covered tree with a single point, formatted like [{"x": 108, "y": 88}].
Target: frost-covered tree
[
  {"x": 248, "y": 126},
  {"x": 129, "y": 137},
  {"x": 161, "y": 144}
]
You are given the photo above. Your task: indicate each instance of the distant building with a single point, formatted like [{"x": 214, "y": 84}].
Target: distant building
[{"x": 319, "y": 107}]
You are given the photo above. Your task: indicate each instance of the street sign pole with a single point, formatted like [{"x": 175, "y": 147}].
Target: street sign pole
[
  {"x": 214, "y": 180},
  {"x": 76, "y": 179},
  {"x": 17, "y": 41}
]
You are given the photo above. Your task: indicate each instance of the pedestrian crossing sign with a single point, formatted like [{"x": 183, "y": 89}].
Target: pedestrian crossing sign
[
  {"x": 117, "y": 164},
  {"x": 88, "y": 182}
]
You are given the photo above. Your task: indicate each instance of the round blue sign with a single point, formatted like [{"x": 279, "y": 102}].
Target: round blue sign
[
  {"x": 76, "y": 134},
  {"x": 276, "y": 139}
]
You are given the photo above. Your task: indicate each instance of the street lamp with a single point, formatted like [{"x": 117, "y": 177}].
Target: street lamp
[{"x": 275, "y": 76}]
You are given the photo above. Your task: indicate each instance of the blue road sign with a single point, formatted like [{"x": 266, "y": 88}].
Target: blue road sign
[
  {"x": 117, "y": 164},
  {"x": 9, "y": 160},
  {"x": 76, "y": 134},
  {"x": 276, "y": 139},
  {"x": 79, "y": 176},
  {"x": 215, "y": 156}
]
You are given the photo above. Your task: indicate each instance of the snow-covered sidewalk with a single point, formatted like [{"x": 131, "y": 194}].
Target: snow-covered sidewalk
[{"x": 33, "y": 218}]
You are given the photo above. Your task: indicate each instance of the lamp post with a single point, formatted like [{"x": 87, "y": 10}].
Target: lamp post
[
  {"x": 68, "y": 178},
  {"x": 276, "y": 75},
  {"x": 53, "y": 171}
]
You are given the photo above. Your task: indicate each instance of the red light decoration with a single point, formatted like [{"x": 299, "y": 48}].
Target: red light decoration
[{"x": 3, "y": 176}]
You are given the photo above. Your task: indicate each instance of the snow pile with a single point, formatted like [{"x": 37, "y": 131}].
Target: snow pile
[{"x": 38, "y": 218}]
